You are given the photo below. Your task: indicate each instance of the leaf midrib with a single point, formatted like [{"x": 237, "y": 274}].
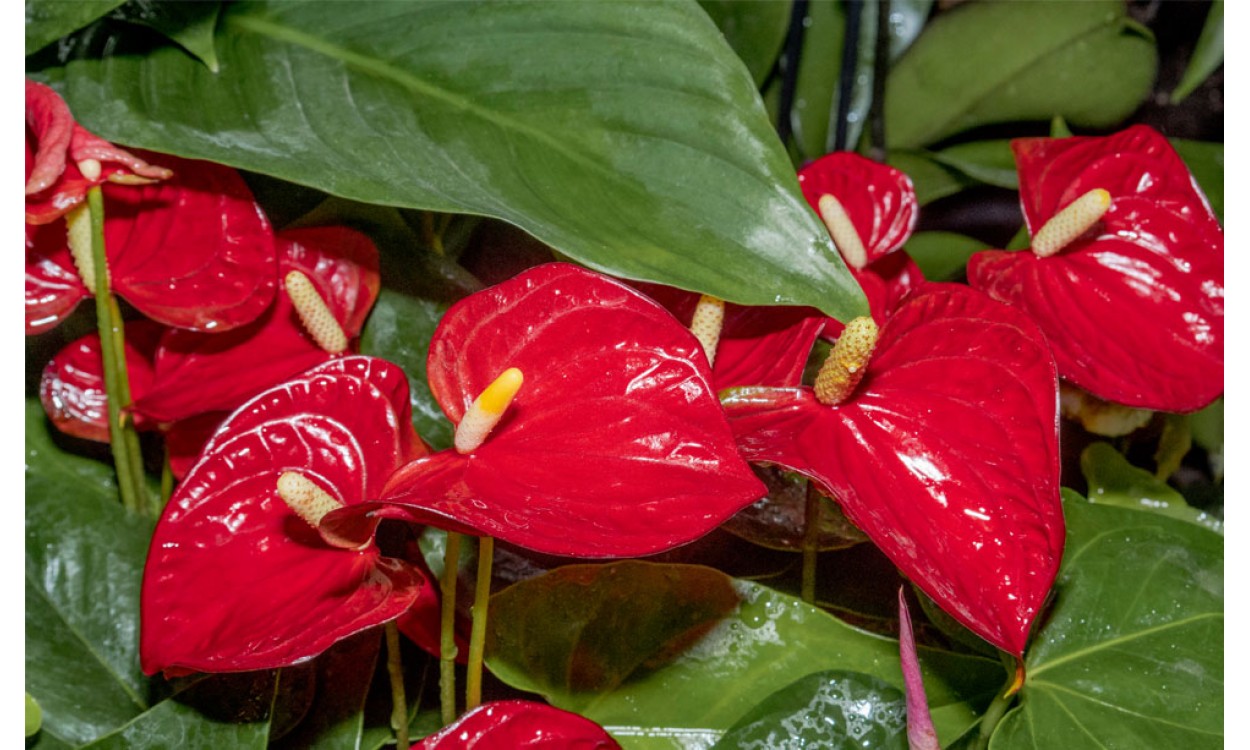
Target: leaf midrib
[
  {"x": 1126, "y": 638},
  {"x": 1057, "y": 688}
]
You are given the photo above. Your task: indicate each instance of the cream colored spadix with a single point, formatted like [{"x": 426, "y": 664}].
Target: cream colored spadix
[
  {"x": 1073, "y": 221},
  {"x": 90, "y": 169},
  {"x": 487, "y": 410},
  {"x": 709, "y": 318},
  {"x": 847, "y": 363},
  {"x": 843, "y": 232},
  {"x": 303, "y": 496},
  {"x": 313, "y": 311},
  {"x": 78, "y": 223}
]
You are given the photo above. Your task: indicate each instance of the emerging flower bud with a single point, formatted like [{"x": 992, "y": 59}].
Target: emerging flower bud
[
  {"x": 315, "y": 314},
  {"x": 487, "y": 410},
  {"x": 847, "y": 363},
  {"x": 1070, "y": 223},
  {"x": 843, "y": 232},
  {"x": 709, "y": 318}
]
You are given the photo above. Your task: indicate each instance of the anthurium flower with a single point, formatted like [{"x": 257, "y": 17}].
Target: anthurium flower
[
  {"x": 870, "y": 210},
  {"x": 237, "y": 577},
  {"x": 186, "y": 382},
  {"x": 939, "y": 439},
  {"x": 519, "y": 725},
  {"x": 194, "y": 251},
  {"x": 613, "y": 445},
  {"x": 1126, "y": 273},
  {"x": 64, "y": 160}
]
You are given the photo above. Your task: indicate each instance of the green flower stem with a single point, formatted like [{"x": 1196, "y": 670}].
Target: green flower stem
[
  {"x": 167, "y": 478},
  {"x": 447, "y": 647},
  {"x": 477, "y": 639},
  {"x": 811, "y": 537},
  {"x": 399, "y": 702},
  {"x": 123, "y": 440},
  {"x": 998, "y": 708}
]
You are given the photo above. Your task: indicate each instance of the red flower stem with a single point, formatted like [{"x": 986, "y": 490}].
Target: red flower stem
[
  {"x": 1002, "y": 701},
  {"x": 123, "y": 440},
  {"x": 447, "y": 649},
  {"x": 811, "y": 534},
  {"x": 399, "y": 702},
  {"x": 477, "y": 638}
]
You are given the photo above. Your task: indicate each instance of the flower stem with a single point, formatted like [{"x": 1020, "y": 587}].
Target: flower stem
[
  {"x": 998, "y": 708},
  {"x": 167, "y": 478},
  {"x": 477, "y": 639},
  {"x": 811, "y": 535},
  {"x": 399, "y": 702},
  {"x": 447, "y": 647},
  {"x": 123, "y": 440}
]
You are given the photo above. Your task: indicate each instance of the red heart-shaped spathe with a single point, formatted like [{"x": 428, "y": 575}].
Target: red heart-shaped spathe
[
  {"x": 615, "y": 446},
  {"x": 879, "y": 200},
  {"x": 519, "y": 725},
  {"x": 946, "y": 455}
]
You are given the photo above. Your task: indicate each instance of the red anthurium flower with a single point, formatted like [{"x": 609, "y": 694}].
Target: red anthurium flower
[
  {"x": 519, "y": 725},
  {"x": 945, "y": 453},
  {"x": 192, "y": 252},
  {"x": 614, "y": 445},
  {"x": 870, "y": 210},
  {"x": 64, "y": 160},
  {"x": 1126, "y": 276},
  {"x": 237, "y": 577}
]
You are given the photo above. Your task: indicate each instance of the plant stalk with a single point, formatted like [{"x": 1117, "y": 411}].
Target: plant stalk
[
  {"x": 447, "y": 646},
  {"x": 880, "y": 69},
  {"x": 123, "y": 440},
  {"x": 998, "y": 708},
  {"x": 399, "y": 701},
  {"x": 811, "y": 538},
  {"x": 846, "y": 75},
  {"x": 477, "y": 638}
]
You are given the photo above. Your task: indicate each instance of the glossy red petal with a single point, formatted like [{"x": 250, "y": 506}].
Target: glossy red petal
[
  {"x": 1135, "y": 163},
  {"x": 186, "y": 438},
  {"x": 72, "y": 386},
  {"x": 53, "y": 288},
  {"x": 234, "y": 579},
  {"x": 517, "y": 725},
  {"x": 879, "y": 199},
  {"x": 198, "y": 372},
  {"x": 616, "y": 444},
  {"x": 1135, "y": 315},
  {"x": 193, "y": 252},
  {"x": 946, "y": 455}
]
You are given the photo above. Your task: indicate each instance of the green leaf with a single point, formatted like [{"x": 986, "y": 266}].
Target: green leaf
[
  {"x": 1115, "y": 481},
  {"x": 688, "y": 697},
  {"x": 1131, "y": 654},
  {"x": 755, "y": 29},
  {"x": 1207, "y": 427},
  {"x": 34, "y": 716},
  {"x": 625, "y": 135},
  {"x": 399, "y": 330},
  {"x": 834, "y": 710},
  {"x": 1174, "y": 442},
  {"x": 942, "y": 256},
  {"x": 191, "y": 25},
  {"x": 1208, "y": 54},
  {"x": 931, "y": 180},
  {"x": 990, "y": 162},
  {"x": 985, "y": 63},
  {"x": 1206, "y": 164},
  {"x": 49, "y": 20},
  {"x": 336, "y": 718},
  {"x": 84, "y": 564},
  {"x": 1059, "y": 127},
  {"x": 170, "y": 724}
]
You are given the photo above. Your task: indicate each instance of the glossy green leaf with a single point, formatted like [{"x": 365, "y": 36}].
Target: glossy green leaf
[
  {"x": 84, "y": 563},
  {"x": 833, "y": 710},
  {"x": 173, "y": 724},
  {"x": 942, "y": 256},
  {"x": 699, "y": 691},
  {"x": 1132, "y": 652},
  {"x": 49, "y": 20},
  {"x": 1175, "y": 440},
  {"x": 931, "y": 180},
  {"x": 34, "y": 715},
  {"x": 335, "y": 720},
  {"x": 984, "y": 63},
  {"x": 1206, "y": 164},
  {"x": 755, "y": 29},
  {"x": 625, "y": 135},
  {"x": 1114, "y": 481},
  {"x": 191, "y": 25},
  {"x": 399, "y": 330},
  {"x": 1208, "y": 54},
  {"x": 990, "y": 162},
  {"x": 1208, "y": 431}
]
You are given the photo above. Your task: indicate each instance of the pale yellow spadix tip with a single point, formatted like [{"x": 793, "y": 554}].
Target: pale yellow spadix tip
[
  {"x": 1073, "y": 221},
  {"x": 305, "y": 498},
  {"x": 706, "y": 324},
  {"x": 847, "y": 362},
  {"x": 486, "y": 411},
  {"x": 314, "y": 313},
  {"x": 842, "y": 231},
  {"x": 78, "y": 234},
  {"x": 90, "y": 168}
]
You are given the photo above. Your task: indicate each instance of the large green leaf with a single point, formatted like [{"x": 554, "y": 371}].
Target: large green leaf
[
  {"x": 1206, "y": 163},
  {"x": 755, "y": 29},
  {"x": 942, "y": 256},
  {"x": 1208, "y": 54},
  {"x": 172, "y": 724},
  {"x": 1132, "y": 652},
  {"x": 625, "y": 135},
  {"x": 1114, "y": 481},
  {"x": 984, "y": 63},
  {"x": 49, "y": 20},
  {"x": 832, "y": 710},
  {"x": 931, "y": 179},
  {"x": 990, "y": 162},
  {"x": 84, "y": 563},
  {"x": 688, "y": 697},
  {"x": 191, "y": 25}
]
